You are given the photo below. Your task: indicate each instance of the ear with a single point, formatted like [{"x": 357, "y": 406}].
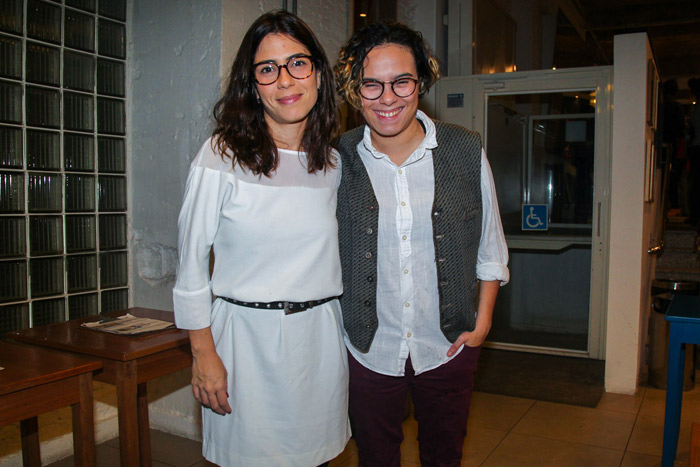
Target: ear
[{"x": 318, "y": 80}]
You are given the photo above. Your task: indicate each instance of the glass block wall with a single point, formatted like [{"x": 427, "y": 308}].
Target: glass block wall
[{"x": 63, "y": 186}]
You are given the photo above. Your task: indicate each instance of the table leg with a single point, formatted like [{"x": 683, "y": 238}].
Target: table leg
[
  {"x": 144, "y": 425},
  {"x": 84, "y": 424},
  {"x": 31, "y": 454},
  {"x": 674, "y": 396},
  {"x": 128, "y": 414}
]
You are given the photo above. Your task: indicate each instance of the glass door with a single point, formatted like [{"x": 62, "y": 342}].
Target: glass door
[{"x": 546, "y": 140}]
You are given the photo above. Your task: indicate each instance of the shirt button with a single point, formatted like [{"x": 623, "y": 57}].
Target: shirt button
[
  {"x": 407, "y": 304},
  {"x": 408, "y": 335},
  {"x": 404, "y": 237},
  {"x": 403, "y": 203},
  {"x": 400, "y": 171},
  {"x": 405, "y": 271}
]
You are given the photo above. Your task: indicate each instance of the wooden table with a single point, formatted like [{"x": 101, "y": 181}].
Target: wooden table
[
  {"x": 128, "y": 362},
  {"x": 36, "y": 381},
  {"x": 683, "y": 316}
]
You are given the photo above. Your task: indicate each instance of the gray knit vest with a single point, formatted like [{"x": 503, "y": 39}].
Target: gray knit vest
[{"x": 456, "y": 217}]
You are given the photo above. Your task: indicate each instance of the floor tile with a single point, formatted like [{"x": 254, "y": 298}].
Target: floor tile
[
  {"x": 525, "y": 450},
  {"x": 622, "y": 402},
  {"x": 348, "y": 453},
  {"x": 174, "y": 450},
  {"x": 577, "y": 424},
  {"x": 634, "y": 459},
  {"x": 648, "y": 437},
  {"x": 496, "y": 411},
  {"x": 479, "y": 445}
]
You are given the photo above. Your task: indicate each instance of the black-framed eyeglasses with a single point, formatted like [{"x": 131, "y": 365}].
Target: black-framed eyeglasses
[
  {"x": 372, "y": 89},
  {"x": 298, "y": 67}
]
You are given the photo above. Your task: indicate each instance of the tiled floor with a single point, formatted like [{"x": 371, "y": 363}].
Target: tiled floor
[{"x": 507, "y": 431}]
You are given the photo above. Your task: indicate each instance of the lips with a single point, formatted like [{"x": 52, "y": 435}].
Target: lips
[
  {"x": 388, "y": 113},
  {"x": 287, "y": 100}
]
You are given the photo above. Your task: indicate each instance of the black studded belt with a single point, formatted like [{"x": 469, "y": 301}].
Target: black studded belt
[{"x": 288, "y": 307}]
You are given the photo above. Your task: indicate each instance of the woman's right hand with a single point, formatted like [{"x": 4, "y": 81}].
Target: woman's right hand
[{"x": 209, "y": 376}]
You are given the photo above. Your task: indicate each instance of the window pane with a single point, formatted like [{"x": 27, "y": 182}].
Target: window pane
[
  {"x": 43, "y": 150},
  {"x": 10, "y": 102},
  {"x": 112, "y": 39},
  {"x": 114, "y": 9},
  {"x": 13, "y": 286},
  {"x": 81, "y": 306},
  {"x": 80, "y": 31},
  {"x": 14, "y": 318},
  {"x": 113, "y": 300},
  {"x": 43, "y": 107},
  {"x": 44, "y": 192},
  {"x": 12, "y": 190},
  {"x": 110, "y": 116},
  {"x": 80, "y": 193},
  {"x": 78, "y": 111},
  {"x": 113, "y": 271},
  {"x": 46, "y": 235},
  {"x": 112, "y": 155},
  {"x": 47, "y": 276},
  {"x": 13, "y": 241},
  {"x": 48, "y": 312},
  {"x": 78, "y": 71},
  {"x": 110, "y": 77},
  {"x": 44, "y": 21},
  {"x": 82, "y": 273},
  {"x": 11, "y": 17},
  {"x": 87, "y": 5},
  {"x": 112, "y": 232},
  {"x": 80, "y": 233},
  {"x": 78, "y": 152},
  {"x": 43, "y": 64},
  {"x": 10, "y": 57},
  {"x": 11, "y": 147},
  {"x": 112, "y": 193}
]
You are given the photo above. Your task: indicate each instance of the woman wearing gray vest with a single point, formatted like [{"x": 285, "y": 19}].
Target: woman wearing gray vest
[{"x": 420, "y": 243}]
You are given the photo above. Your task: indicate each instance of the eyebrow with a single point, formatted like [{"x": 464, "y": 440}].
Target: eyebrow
[
  {"x": 402, "y": 75},
  {"x": 272, "y": 60}
]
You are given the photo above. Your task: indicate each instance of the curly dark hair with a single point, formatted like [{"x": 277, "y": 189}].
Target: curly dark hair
[
  {"x": 350, "y": 66},
  {"x": 241, "y": 131}
]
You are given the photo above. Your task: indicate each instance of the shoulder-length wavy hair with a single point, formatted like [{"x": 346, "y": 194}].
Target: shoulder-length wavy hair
[
  {"x": 241, "y": 131},
  {"x": 351, "y": 59}
]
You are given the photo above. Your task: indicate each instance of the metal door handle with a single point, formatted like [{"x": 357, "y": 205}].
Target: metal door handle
[{"x": 656, "y": 249}]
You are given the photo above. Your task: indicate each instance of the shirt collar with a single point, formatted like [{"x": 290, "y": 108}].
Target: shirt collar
[{"x": 429, "y": 142}]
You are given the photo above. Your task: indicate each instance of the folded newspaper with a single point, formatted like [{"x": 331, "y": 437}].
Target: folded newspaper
[{"x": 129, "y": 324}]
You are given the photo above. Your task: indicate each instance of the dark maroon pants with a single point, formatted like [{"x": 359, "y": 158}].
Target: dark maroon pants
[{"x": 441, "y": 399}]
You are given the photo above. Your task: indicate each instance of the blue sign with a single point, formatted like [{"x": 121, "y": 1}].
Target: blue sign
[{"x": 535, "y": 216}]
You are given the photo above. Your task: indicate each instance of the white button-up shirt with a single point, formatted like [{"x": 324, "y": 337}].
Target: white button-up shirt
[{"x": 407, "y": 289}]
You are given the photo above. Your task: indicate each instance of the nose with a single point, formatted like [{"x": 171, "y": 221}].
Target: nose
[
  {"x": 388, "y": 97},
  {"x": 285, "y": 79}
]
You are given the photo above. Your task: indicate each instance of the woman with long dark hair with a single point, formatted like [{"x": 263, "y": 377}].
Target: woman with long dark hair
[{"x": 269, "y": 363}]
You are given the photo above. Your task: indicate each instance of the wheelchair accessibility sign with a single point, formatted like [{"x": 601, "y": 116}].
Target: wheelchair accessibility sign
[{"x": 535, "y": 216}]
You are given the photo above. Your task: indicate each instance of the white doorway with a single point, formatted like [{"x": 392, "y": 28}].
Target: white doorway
[{"x": 547, "y": 137}]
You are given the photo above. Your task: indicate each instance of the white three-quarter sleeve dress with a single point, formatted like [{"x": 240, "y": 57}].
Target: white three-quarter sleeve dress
[{"x": 274, "y": 239}]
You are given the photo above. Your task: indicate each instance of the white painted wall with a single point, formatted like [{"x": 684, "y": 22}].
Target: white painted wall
[{"x": 631, "y": 220}]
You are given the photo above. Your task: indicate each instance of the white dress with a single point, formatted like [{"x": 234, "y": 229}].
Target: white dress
[{"x": 274, "y": 239}]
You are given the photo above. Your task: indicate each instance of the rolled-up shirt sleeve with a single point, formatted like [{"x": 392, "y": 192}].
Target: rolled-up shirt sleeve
[
  {"x": 492, "y": 261},
  {"x": 197, "y": 224}
]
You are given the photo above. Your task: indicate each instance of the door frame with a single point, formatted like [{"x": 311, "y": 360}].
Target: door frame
[{"x": 463, "y": 100}]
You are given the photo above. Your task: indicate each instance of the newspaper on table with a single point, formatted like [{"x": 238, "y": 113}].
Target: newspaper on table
[{"x": 129, "y": 325}]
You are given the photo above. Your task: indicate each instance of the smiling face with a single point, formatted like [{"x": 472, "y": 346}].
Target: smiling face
[
  {"x": 288, "y": 101},
  {"x": 392, "y": 119}
]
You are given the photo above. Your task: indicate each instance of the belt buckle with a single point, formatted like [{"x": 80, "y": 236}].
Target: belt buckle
[{"x": 287, "y": 310}]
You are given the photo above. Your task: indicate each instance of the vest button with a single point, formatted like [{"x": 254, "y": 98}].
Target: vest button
[
  {"x": 370, "y": 278},
  {"x": 372, "y": 207},
  {"x": 369, "y": 231},
  {"x": 368, "y": 303},
  {"x": 368, "y": 255}
]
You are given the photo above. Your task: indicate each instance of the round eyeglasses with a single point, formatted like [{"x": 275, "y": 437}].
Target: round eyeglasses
[
  {"x": 298, "y": 67},
  {"x": 372, "y": 89}
]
